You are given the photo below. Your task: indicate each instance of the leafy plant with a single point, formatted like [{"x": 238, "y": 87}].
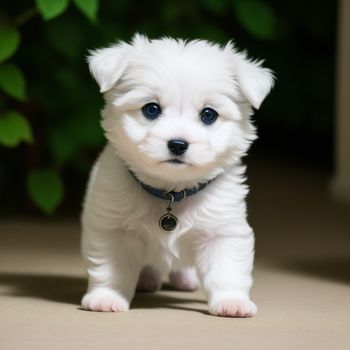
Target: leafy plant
[
  {"x": 50, "y": 131},
  {"x": 44, "y": 186}
]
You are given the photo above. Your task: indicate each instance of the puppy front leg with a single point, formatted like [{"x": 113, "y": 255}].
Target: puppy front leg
[
  {"x": 114, "y": 261},
  {"x": 224, "y": 265}
]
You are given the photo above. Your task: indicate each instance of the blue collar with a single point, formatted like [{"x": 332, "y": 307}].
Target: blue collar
[{"x": 177, "y": 196}]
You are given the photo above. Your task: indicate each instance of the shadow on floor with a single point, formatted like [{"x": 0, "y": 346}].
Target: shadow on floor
[
  {"x": 335, "y": 269},
  {"x": 70, "y": 289},
  {"x": 63, "y": 289},
  {"x": 161, "y": 300}
]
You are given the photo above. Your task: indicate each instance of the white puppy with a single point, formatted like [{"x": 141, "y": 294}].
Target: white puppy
[{"x": 167, "y": 194}]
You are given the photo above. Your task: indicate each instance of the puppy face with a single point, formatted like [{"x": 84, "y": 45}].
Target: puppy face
[{"x": 176, "y": 109}]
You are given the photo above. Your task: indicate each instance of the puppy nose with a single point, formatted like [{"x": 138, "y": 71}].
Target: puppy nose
[{"x": 177, "y": 147}]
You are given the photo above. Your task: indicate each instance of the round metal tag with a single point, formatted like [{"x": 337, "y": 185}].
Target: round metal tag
[{"x": 168, "y": 222}]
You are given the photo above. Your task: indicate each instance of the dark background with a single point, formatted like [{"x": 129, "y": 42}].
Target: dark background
[{"x": 297, "y": 39}]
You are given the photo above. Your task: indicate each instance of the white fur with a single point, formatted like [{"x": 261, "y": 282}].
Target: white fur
[{"x": 121, "y": 236}]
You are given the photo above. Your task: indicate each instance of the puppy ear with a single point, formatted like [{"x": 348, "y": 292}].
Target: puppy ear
[
  {"x": 107, "y": 65},
  {"x": 254, "y": 80}
]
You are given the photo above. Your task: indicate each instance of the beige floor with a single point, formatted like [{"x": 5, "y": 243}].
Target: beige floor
[{"x": 302, "y": 282}]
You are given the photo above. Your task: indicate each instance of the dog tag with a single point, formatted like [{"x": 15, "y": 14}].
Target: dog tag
[{"x": 168, "y": 222}]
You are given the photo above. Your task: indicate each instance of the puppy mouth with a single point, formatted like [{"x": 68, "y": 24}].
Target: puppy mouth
[{"x": 175, "y": 161}]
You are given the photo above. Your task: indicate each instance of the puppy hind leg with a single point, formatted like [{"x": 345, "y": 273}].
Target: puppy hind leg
[
  {"x": 150, "y": 280},
  {"x": 184, "y": 279}
]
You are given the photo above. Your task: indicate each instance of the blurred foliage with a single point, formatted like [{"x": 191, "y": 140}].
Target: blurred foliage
[
  {"x": 49, "y": 105},
  {"x": 45, "y": 188},
  {"x": 14, "y": 128}
]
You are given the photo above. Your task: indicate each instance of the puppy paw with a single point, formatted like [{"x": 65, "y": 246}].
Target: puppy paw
[
  {"x": 149, "y": 280},
  {"x": 185, "y": 280},
  {"x": 234, "y": 308},
  {"x": 104, "y": 300}
]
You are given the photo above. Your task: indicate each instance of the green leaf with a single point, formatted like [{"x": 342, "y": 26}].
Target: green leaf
[
  {"x": 46, "y": 189},
  {"x": 14, "y": 129},
  {"x": 9, "y": 41},
  {"x": 88, "y": 8},
  {"x": 12, "y": 81},
  {"x": 51, "y": 8},
  {"x": 256, "y": 17}
]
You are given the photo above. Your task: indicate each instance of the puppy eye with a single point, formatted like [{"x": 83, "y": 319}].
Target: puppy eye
[
  {"x": 151, "y": 110},
  {"x": 208, "y": 116}
]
